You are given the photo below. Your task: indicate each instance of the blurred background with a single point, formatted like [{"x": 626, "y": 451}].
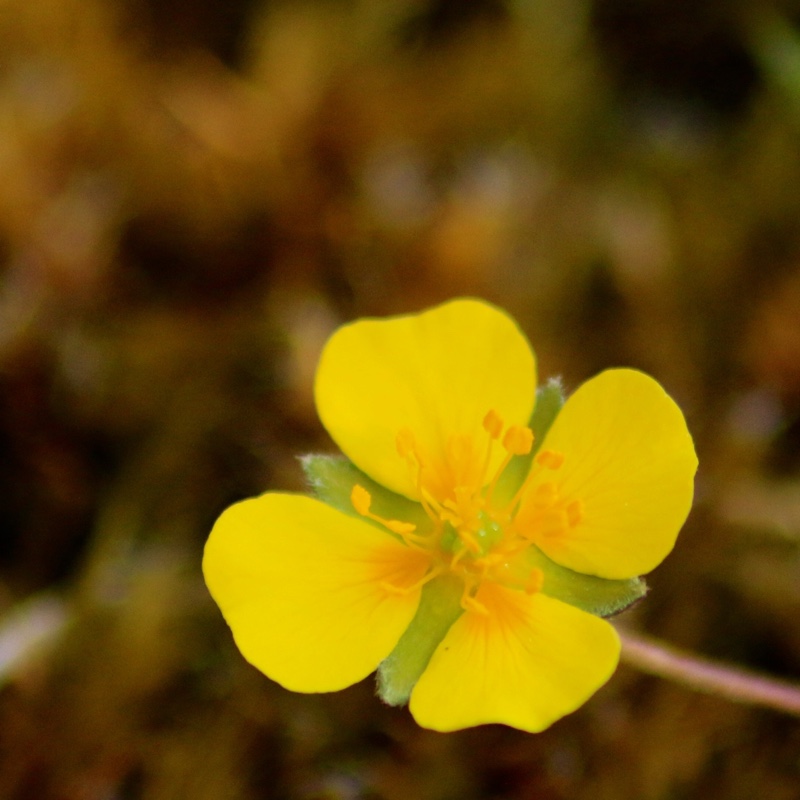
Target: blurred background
[{"x": 194, "y": 193}]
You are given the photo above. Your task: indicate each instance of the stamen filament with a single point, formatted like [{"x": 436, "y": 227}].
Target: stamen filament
[
  {"x": 469, "y": 603},
  {"x": 493, "y": 483},
  {"x": 518, "y": 441},
  {"x": 549, "y": 459},
  {"x": 403, "y": 590},
  {"x": 469, "y": 537},
  {"x": 493, "y": 425},
  {"x": 470, "y": 542},
  {"x": 362, "y": 500}
]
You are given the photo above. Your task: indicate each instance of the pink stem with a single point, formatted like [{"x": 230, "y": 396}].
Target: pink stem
[{"x": 704, "y": 675}]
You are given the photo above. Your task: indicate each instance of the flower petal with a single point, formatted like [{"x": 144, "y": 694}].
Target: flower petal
[
  {"x": 436, "y": 374},
  {"x": 532, "y": 660},
  {"x": 629, "y": 461},
  {"x": 303, "y": 588}
]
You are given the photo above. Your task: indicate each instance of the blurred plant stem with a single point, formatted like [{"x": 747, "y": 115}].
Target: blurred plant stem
[{"x": 704, "y": 675}]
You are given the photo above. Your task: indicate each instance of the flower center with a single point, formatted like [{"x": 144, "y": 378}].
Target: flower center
[{"x": 471, "y": 535}]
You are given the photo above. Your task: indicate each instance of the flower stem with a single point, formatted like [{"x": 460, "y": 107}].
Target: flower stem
[{"x": 704, "y": 675}]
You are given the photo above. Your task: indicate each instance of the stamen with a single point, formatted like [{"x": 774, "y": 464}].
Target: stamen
[
  {"x": 362, "y": 500},
  {"x": 397, "y": 526},
  {"x": 550, "y": 459},
  {"x": 545, "y": 495},
  {"x": 518, "y": 440},
  {"x": 485, "y": 563},
  {"x": 407, "y": 448},
  {"x": 574, "y": 512},
  {"x": 469, "y": 603},
  {"x": 470, "y": 538},
  {"x": 493, "y": 424},
  {"x": 469, "y": 541},
  {"x": 457, "y": 557},
  {"x": 460, "y": 461},
  {"x": 390, "y": 588},
  {"x": 430, "y": 505},
  {"x": 514, "y": 545},
  {"x": 553, "y": 523},
  {"x": 522, "y": 489},
  {"x": 493, "y": 483}
]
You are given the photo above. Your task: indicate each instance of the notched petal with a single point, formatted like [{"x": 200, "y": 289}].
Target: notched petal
[
  {"x": 304, "y": 589},
  {"x": 628, "y": 473},
  {"x": 436, "y": 374},
  {"x": 528, "y": 662}
]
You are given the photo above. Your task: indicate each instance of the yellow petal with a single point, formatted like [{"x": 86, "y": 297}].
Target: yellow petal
[
  {"x": 532, "y": 660},
  {"x": 302, "y": 587},
  {"x": 436, "y": 374},
  {"x": 629, "y": 462}
]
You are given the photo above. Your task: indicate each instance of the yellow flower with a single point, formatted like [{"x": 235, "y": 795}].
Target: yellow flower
[{"x": 456, "y": 549}]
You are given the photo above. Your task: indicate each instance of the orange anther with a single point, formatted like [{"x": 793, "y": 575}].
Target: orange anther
[
  {"x": 361, "y": 500},
  {"x": 493, "y": 424},
  {"x": 545, "y": 495},
  {"x": 518, "y": 440},
  {"x": 398, "y": 527},
  {"x": 574, "y": 512},
  {"x": 553, "y": 523},
  {"x": 550, "y": 459}
]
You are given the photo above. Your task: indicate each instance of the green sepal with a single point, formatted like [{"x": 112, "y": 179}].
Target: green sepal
[
  {"x": 332, "y": 478},
  {"x": 549, "y": 401},
  {"x": 602, "y": 597},
  {"x": 439, "y": 607}
]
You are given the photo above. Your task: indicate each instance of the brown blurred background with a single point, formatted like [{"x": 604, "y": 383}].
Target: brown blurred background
[{"x": 194, "y": 193}]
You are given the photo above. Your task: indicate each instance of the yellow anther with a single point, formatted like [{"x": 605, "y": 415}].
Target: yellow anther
[
  {"x": 493, "y": 424},
  {"x": 550, "y": 459},
  {"x": 361, "y": 500},
  {"x": 545, "y": 495},
  {"x": 553, "y": 523},
  {"x": 574, "y": 512},
  {"x": 398, "y": 527},
  {"x": 518, "y": 440},
  {"x": 535, "y": 581}
]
